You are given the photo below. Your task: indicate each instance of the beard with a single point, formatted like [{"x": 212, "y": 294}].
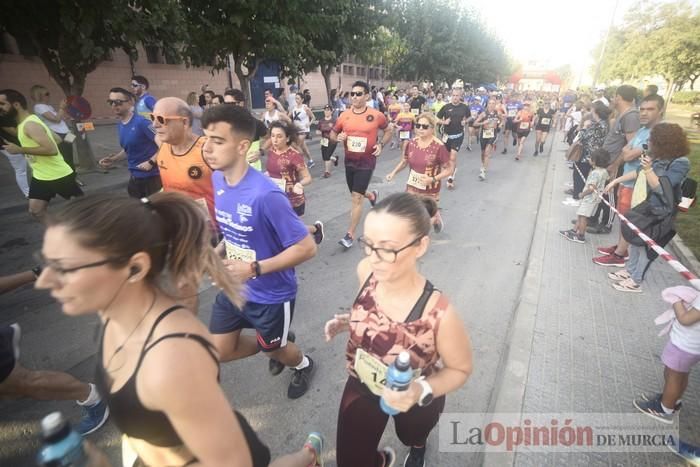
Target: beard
[{"x": 12, "y": 113}]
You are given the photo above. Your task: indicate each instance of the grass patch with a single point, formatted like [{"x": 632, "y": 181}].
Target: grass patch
[{"x": 688, "y": 223}]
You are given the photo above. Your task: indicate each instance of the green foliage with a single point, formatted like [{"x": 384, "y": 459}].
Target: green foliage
[{"x": 687, "y": 97}]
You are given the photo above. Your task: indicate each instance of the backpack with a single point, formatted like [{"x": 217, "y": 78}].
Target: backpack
[{"x": 657, "y": 222}]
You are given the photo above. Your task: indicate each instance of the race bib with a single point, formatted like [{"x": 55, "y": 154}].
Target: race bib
[
  {"x": 524, "y": 125},
  {"x": 545, "y": 121},
  {"x": 372, "y": 372},
  {"x": 357, "y": 143},
  {"x": 512, "y": 112},
  {"x": 404, "y": 134},
  {"x": 238, "y": 253},
  {"x": 281, "y": 183},
  {"x": 69, "y": 138},
  {"x": 488, "y": 133},
  {"x": 415, "y": 111},
  {"x": 324, "y": 142},
  {"x": 414, "y": 180}
]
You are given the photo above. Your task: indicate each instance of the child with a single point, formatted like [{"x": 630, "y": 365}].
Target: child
[
  {"x": 600, "y": 159},
  {"x": 681, "y": 353}
]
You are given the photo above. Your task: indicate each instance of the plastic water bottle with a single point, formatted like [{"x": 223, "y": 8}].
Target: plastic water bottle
[
  {"x": 63, "y": 446},
  {"x": 398, "y": 377}
]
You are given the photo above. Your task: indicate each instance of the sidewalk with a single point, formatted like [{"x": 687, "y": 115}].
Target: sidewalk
[{"x": 578, "y": 345}]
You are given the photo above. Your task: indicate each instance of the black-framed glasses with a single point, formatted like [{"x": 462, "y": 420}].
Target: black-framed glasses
[
  {"x": 111, "y": 102},
  {"x": 358, "y": 94},
  {"x": 423, "y": 126},
  {"x": 61, "y": 271},
  {"x": 386, "y": 255}
]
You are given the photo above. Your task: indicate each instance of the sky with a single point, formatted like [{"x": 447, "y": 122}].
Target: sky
[{"x": 551, "y": 32}]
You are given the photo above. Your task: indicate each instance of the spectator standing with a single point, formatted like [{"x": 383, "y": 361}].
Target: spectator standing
[{"x": 196, "y": 110}]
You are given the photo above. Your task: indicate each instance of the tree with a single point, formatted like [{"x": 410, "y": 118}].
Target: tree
[{"x": 72, "y": 37}]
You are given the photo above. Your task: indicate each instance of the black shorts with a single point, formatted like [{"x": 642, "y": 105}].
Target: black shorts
[
  {"x": 143, "y": 187},
  {"x": 543, "y": 128},
  {"x": 300, "y": 209},
  {"x": 66, "y": 187},
  {"x": 327, "y": 151},
  {"x": 7, "y": 352},
  {"x": 510, "y": 125},
  {"x": 523, "y": 133},
  {"x": 270, "y": 321},
  {"x": 358, "y": 179},
  {"x": 454, "y": 144},
  {"x": 486, "y": 142}
]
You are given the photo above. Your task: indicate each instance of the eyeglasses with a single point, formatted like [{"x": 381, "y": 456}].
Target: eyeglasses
[
  {"x": 136, "y": 85},
  {"x": 61, "y": 271},
  {"x": 385, "y": 254},
  {"x": 164, "y": 119},
  {"x": 358, "y": 94},
  {"x": 115, "y": 102},
  {"x": 422, "y": 126}
]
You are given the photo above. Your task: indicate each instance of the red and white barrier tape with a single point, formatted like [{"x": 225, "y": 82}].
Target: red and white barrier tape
[{"x": 673, "y": 262}]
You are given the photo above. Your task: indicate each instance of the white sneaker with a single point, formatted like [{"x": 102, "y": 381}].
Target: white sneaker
[{"x": 482, "y": 174}]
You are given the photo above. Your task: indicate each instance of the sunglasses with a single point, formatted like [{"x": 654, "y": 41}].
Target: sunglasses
[
  {"x": 135, "y": 85},
  {"x": 163, "y": 119},
  {"x": 422, "y": 126},
  {"x": 115, "y": 102},
  {"x": 358, "y": 94}
]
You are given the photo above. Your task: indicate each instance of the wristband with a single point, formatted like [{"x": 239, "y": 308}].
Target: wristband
[{"x": 255, "y": 269}]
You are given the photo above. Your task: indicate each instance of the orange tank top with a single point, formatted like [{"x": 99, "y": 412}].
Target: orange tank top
[{"x": 187, "y": 173}]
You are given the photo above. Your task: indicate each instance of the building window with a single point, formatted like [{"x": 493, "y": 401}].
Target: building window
[
  {"x": 337, "y": 69},
  {"x": 348, "y": 70},
  {"x": 360, "y": 71}
]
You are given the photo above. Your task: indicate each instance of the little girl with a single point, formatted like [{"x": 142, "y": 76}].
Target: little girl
[{"x": 600, "y": 159}]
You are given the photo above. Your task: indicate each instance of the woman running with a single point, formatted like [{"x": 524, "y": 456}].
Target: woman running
[
  {"x": 523, "y": 123},
  {"x": 325, "y": 125},
  {"x": 488, "y": 121},
  {"x": 429, "y": 161},
  {"x": 286, "y": 167},
  {"x": 273, "y": 112},
  {"x": 405, "y": 120},
  {"x": 543, "y": 122},
  {"x": 397, "y": 310},
  {"x": 123, "y": 258},
  {"x": 302, "y": 117}
]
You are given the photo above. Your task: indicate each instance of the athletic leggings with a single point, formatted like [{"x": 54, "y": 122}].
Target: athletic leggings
[
  {"x": 361, "y": 424},
  {"x": 327, "y": 151}
]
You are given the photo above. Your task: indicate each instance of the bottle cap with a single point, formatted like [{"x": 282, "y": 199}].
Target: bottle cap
[{"x": 403, "y": 361}]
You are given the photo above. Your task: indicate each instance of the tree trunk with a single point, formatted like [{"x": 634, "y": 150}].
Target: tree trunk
[
  {"x": 692, "y": 82},
  {"x": 670, "y": 85},
  {"x": 326, "y": 72},
  {"x": 244, "y": 79}
]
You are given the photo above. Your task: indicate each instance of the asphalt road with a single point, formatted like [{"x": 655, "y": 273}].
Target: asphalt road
[{"x": 477, "y": 261}]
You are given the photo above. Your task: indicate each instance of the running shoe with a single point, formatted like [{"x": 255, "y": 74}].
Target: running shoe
[
  {"x": 505, "y": 151},
  {"x": 439, "y": 224},
  {"x": 657, "y": 396},
  {"x": 627, "y": 285},
  {"x": 415, "y": 457},
  {"x": 607, "y": 250},
  {"x": 619, "y": 275},
  {"x": 375, "y": 197},
  {"x": 450, "y": 183},
  {"x": 517, "y": 158},
  {"x": 654, "y": 409},
  {"x": 275, "y": 366},
  {"x": 482, "y": 174},
  {"x": 335, "y": 160},
  {"x": 515, "y": 142},
  {"x": 686, "y": 451},
  {"x": 318, "y": 234},
  {"x": 94, "y": 416},
  {"x": 612, "y": 260},
  {"x": 469, "y": 147},
  {"x": 300, "y": 381},
  {"x": 347, "y": 240},
  {"x": 541, "y": 147},
  {"x": 311, "y": 163},
  {"x": 389, "y": 456},
  {"x": 535, "y": 154},
  {"x": 326, "y": 174},
  {"x": 314, "y": 443},
  {"x": 573, "y": 236}
]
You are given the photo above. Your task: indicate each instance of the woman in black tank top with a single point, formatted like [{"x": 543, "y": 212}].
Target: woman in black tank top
[{"x": 157, "y": 368}]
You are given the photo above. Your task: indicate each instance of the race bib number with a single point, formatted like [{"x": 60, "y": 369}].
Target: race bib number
[
  {"x": 372, "y": 372},
  {"x": 415, "y": 111},
  {"x": 324, "y": 142},
  {"x": 512, "y": 112},
  {"x": 404, "y": 134},
  {"x": 488, "y": 133},
  {"x": 69, "y": 138},
  {"x": 281, "y": 183},
  {"x": 357, "y": 143},
  {"x": 238, "y": 253},
  {"x": 524, "y": 125},
  {"x": 414, "y": 180},
  {"x": 545, "y": 121}
]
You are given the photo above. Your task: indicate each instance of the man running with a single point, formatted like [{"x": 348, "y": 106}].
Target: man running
[
  {"x": 475, "y": 108},
  {"x": 454, "y": 117},
  {"x": 263, "y": 241},
  {"x": 51, "y": 175},
  {"x": 357, "y": 128},
  {"x": 144, "y": 101},
  {"x": 417, "y": 101},
  {"x": 489, "y": 122},
  {"x": 513, "y": 106}
]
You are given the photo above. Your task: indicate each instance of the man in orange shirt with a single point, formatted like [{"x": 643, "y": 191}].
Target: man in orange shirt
[{"x": 357, "y": 128}]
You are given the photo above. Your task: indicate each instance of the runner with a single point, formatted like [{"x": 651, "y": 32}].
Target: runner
[
  {"x": 417, "y": 101},
  {"x": 55, "y": 121},
  {"x": 51, "y": 175},
  {"x": 438, "y": 104},
  {"x": 263, "y": 241},
  {"x": 475, "y": 108},
  {"x": 274, "y": 112},
  {"x": 302, "y": 117},
  {"x": 523, "y": 124},
  {"x": 454, "y": 117},
  {"x": 543, "y": 122},
  {"x": 144, "y": 101},
  {"x": 404, "y": 122},
  {"x": 137, "y": 139},
  {"x": 357, "y": 128},
  {"x": 513, "y": 106},
  {"x": 285, "y": 166},
  {"x": 488, "y": 122},
  {"x": 380, "y": 327},
  {"x": 259, "y": 143},
  {"x": 394, "y": 108},
  {"x": 170, "y": 414},
  {"x": 325, "y": 125},
  {"x": 429, "y": 161}
]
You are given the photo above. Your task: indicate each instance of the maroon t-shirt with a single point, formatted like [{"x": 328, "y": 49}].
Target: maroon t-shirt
[
  {"x": 285, "y": 170},
  {"x": 429, "y": 161},
  {"x": 325, "y": 126}
]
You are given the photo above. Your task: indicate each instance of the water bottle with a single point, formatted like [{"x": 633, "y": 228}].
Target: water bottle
[
  {"x": 63, "y": 446},
  {"x": 398, "y": 377}
]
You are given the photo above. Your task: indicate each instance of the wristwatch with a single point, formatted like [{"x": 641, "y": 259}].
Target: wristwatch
[
  {"x": 152, "y": 162},
  {"x": 426, "y": 396},
  {"x": 255, "y": 269}
]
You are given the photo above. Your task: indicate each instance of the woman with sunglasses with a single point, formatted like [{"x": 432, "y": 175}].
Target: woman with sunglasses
[
  {"x": 397, "y": 309},
  {"x": 122, "y": 257},
  {"x": 428, "y": 159}
]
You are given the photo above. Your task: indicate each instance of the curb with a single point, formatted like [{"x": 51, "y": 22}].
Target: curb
[
  {"x": 684, "y": 255},
  {"x": 514, "y": 367}
]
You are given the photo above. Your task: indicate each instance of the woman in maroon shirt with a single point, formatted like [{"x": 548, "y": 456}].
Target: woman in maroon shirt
[
  {"x": 325, "y": 125},
  {"x": 429, "y": 162}
]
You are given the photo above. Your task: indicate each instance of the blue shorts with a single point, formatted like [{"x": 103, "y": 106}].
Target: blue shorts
[{"x": 271, "y": 322}]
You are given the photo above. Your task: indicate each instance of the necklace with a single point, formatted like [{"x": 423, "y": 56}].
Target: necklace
[{"x": 121, "y": 346}]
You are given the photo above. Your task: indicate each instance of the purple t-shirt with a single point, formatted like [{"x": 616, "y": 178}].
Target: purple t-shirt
[{"x": 258, "y": 222}]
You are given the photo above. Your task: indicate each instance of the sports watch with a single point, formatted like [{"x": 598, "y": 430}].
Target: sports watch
[{"x": 426, "y": 396}]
